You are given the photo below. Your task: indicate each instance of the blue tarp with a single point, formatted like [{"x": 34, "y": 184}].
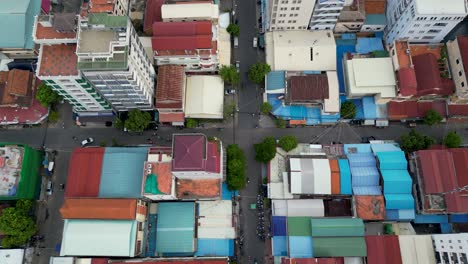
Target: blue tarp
[
  {"x": 340, "y": 50},
  {"x": 367, "y": 45},
  {"x": 345, "y": 176},
  {"x": 275, "y": 80},
  {"x": 384, "y": 147},
  {"x": 227, "y": 194},
  {"x": 361, "y": 160},
  {"x": 357, "y": 148},
  {"x": 214, "y": 247},
  {"x": 279, "y": 226},
  {"x": 367, "y": 190},
  {"x": 300, "y": 247},
  {"x": 392, "y": 160},
  {"x": 399, "y": 214},
  {"x": 399, "y": 201},
  {"x": 430, "y": 219},
  {"x": 396, "y": 181},
  {"x": 279, "y": 246},
  {"x": 369, "y": 108},
  {"x": 462, "y": 218}
]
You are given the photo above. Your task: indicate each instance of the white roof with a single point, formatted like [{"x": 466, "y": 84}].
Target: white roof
[
  {"x": 322, "y": 176},
  {"x": 279, "y": 208},
  {"x": 458, "y": 242},
  {"x": 296, "y": 182},
  {"x": 204, "y": 97},
  {"x": 311, "y": 207},
  {"x": 438, "y": 7},
  {"x": 215, "y": 219},
  {"x": 293, "y": 50},
  {"x": 332, "y": 104},
  {"x": 11, "y": 256},
  {"x": 224, "y": 20},
  {"x": 370, "y": 76},
  {"x": 224, "y": 47},
  {"x": 98, "y": 238},
  {"x": 417, "y": 249},
  {"x": 181, "y": 11},
  {"x": 310, "y": 176},
  {"x": 295, "y": 164}
]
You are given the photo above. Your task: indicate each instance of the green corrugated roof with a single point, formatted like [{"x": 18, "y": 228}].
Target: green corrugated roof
[
  {"x": 299, "y": 226},
  {"x": 329, "y": 227},
  {"x": 19, "y": 16},
  {"x": 175, "y": 232},
  {"x": 339, "y": 247},
  {"x": 110, "y": 21}
]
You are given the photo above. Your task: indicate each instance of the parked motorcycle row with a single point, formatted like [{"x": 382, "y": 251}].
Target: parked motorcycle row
[{"x": 261, "y": 218}]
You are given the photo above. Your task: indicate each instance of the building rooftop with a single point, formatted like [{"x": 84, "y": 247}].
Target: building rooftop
[
  {"x": 101, "y": 6},
  {"x": 152, "y": 14},
  {"x": 407, "y": 82},
  {"x": 414, "y": 109},
  {"x": 306, "y": 89},
  {"x": 51, "y": 32},
  {"x": 189, "y": 152},
  {"x": 189, "y": 10},
  {"x": 96, "y": 41},
  {"x": 463, "y": 46},
  {"x": 198, "y": 188},
  {"x": 96, "y": 208},
  {"x": 428, "y": 76},
  {"x": 58, "y": 60},
  {"x": 403, "y": 54},
  {"x": 436, "y": 7},
  {"x": 182, "y": 28},
  {"x": 19, "y": 16},
  {"x": 163, "y": 174},
  {"x": 11, "y": 161},
  {"x": 84, "y": 172},
  {"x": 370, "y": 207},
  {"x": 375, "y": 6},
  {"x": 215, "y": 220},
  {"x": 171, "y": 117},
  {"x": 170, "y": 87},
  {"x": 16, "y": 87},
  {"x": 210, "y": 260},
  {"x": 181, "y": 42},
  {"x": 383, "y": 250},
  {"x": 204, "y": 97}
]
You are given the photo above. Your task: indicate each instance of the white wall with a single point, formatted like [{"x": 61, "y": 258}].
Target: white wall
[{"x": 290, "y": 14}]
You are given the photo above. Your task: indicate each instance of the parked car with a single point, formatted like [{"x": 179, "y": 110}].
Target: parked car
[
  {"x": 50, "y": 187},
  {"x": 87, "y": 141},
  {"x": 236, "y": 42},
  {"x": 237, "y": 65},
  {"x": 229, "y": 91},
  {"x": 255, "y": 42}
]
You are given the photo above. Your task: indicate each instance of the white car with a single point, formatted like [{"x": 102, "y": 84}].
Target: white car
[
  {"x": 255, "y": 42},
  {"x": 238, "y": 66},
  {"x": 50, "y": 187},
  {"x": 87, "y": 141}
]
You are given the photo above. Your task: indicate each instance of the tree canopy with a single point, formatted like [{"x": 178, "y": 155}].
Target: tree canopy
[
  {"x": 288, "y": 143},
  {"x": 46, "y": 96},
  {"x": 236, "y": 167},
  {"x": 266, "y": 108},
  {"x": 348, "y": 110},
  {"x": 280, "y": 122},
  {"x": 265, "y": 150},
  {"x": 432, "y": 117},
  {"x": 16, "y": 224},
  {"x": 137, "y": 120},
  {"x": 191, "y": 123},
  {"x": 258, "y": 71},
  {"x": 414, "y": 141},
  {"x": 233, "y": 29},
  {"x": 452, "y": 140},
  {"x": 229, "y": 74}
]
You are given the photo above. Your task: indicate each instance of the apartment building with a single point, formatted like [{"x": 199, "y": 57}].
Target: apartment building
[
  {"x": 112, "y": 59},
  {"x": 451, "y": 248},
  {"x": 289, "y": 14},
  {"x": 326, "y": 13},
  {"x": 426, "y": 21},
  {"x": 458, "y": 58},
  {"x": 351, "y": 18},
  {"x": 116, "y": 7}
]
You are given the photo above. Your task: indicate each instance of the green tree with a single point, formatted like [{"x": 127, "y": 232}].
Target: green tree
[
  {"x": 191, "y": 123},
  {"x": 229, "y": 74},
  {"x": 280, "y": 123},
  {"x": 452, "y": 140},
  {"x": 46, "y": 96},
  {"x": 288, "y": 143},
  {"x": 258, "y": 71},
  {"x": 348, "y": 110},
  {"x": 53, "y": 116},
  {"x": 414, "y": 141},
  {"x": 103, "y": 144},
  {"x": 266, "y": 108},
  {"x": 137, "y": 120},
  {"x": 265, "y": 150},
  {"x": 236, "y": 167},
  {"x": 119, "y": 124},
  {"x": 233, "y": 29},
  {"x": 16, "y": 225},
  {"x": 228, "y": 111},
  {"x": 432, "y": 117}
]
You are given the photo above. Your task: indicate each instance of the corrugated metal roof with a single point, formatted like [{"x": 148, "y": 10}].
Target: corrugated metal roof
[
  {"x": 307, "y": 88},
  {"x": 335, "y": 183},
  {"x": 457, "y": 110},
  {"x": 116, "y": 209},
  {"x": 416, "y": 249},
  {"x": 339, "y": 247},
  {"x": 275, "y": 80},
  {"x": 310, "y": 176},
  {"x": 314, "y": 261},
  {"x": 215, "y": 220},
  {"x": 338, "y": 207},
  {"x": 407, "y": 81},
  {"x": 122, "y": 172},
  {"x": 170, "y": 87},
  {"x": 369, "y": 107},
  {"x": 399, "y": 201},
  {"x": 188, "y": 28},
  {"x": 370, "y": 207},
  {"x": 84, "y": 172},
  {"x": 175, "y": 231},
  {"x": 365, "y": 176},
  {"x": 299, "y": 226},
  {"x": 113, "y": 238},
  {"x": 278, "y": 225},
  {"x": 214, "y": 247},
  {"x": 279, "y": 208},
  {"x": 392, "y": 160},
  {"x": 179, "y": 261},
  {"x": 384, "y": 147},
  {"x": 357, "y": 148},
  {"x": 367, "y": 190},
  {"x": 396, "y": 181},
  {"x": 303, "y": 207},
  {"x": 361, "y": 160},
  {"x": 367, "y": 45},
  {"x": 383, "y": 250},
  {"x": 345, "y": 177},
  {"x": 300, "y": 247},
  {"x": 279, "y": 246},
  {"x": 20, "y": 16},
  {"x": 189, "y": 152},
  {"x": 181, "y": 42},
  {"x": 428, "y": 76},
  {"x": 152, "y": 14},
  {"x": 331, "y": 227}
]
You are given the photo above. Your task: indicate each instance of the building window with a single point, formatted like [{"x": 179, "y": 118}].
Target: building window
[
  {"x": 458, "y": 61},
  {"x": 462, "y": 84},
  {"x": 411, "y": 31},
  {"x": 311, "y": 54},
  {"x": 440, "y": 24},
  {"x": 421, "y": 31},
  {"x": 434, "y": 31},
  {"x": 459, "y": 73},
  {"x": 428, "y": 37},
  {"x": 416, "y": 25}
]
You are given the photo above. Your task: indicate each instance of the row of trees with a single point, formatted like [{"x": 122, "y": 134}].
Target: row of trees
[
  {"x": 414, "y": 141},
  {"x": 230, "y": 74},
  {"x": 266, "y": 150},
  {"x": 236, "y": 167}
]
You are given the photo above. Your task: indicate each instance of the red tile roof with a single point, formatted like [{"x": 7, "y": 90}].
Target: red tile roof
[
  {"x": 152, "y": 14},
  {"x": 101, "y": 6},
  {"x": 383, "y": 250},
  {"x": 58, "y": 60},
  {"x": 407, "y": 82},
  {"x": 84, "y": 172},
  {"x": 463, "y": 46},
  {"x": 181, "y": 42},
  {"x": 375, "y": 6},
  {"x": 50, "y": 33},
  {"x": 213, "y": 158},
  {"x": 163, "y": 172},
  {"x": 205, "y": 188},
  {"x": 171, "y": 117},
  {"x": 286, "y": 260},
  {"x": 99, "y": 261},
  {"x": 16, "y": 87},
  {"x": 182, "y": 28},
  {"x": 370, "y": 207},
  {"x": 457, "y": 110},
  {"x": 307, "y": 88},
  {"x": 169, "y": 90},
  {"x": 428, "y": 76},
  {"x": 414, "y": 109},
  {"x": 96, "y": 208},
  {"x": 189, "y": 152}
]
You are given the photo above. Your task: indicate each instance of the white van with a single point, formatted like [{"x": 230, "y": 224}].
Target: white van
[
  {"x": 255, "y": 42},
  {"x": 236, "y": 42}
]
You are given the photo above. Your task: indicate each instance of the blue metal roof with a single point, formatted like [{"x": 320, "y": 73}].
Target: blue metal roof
[
  {"x": 345, "y": 176},
  {"x": 367, "y": 190},
  {"x": 369, "y": 108},
  {"x": 392, "y": 160},
  {"x": 19, "y": 16},
  {"x": 367, "y": 45},
  {"x": 396, "y": 181},
  {"x": 459, "y": 218},
  {"x": 446, "y": 228},
  {"x": 357, "y": 148},
  {"x": 375, "y": 19},
  {"x": 361, "y": 160},
  {"x": 214, "y": 247},
  {"x": 122, "y": 172},
  {"x": 279, "y": 246},
  {"x": 275, "y": 80},
  {"x": 399, "y": 201},
  {"x": 300, "y": 247},
  {"x": 278, "y": 225},
  {"x": 399, "y": 214},
  {"x": 226, "y": 193},
  {"x": 384, "y": 147},
  {"x": 430, "y": 219},
  {"x": 341, "y": 49}
]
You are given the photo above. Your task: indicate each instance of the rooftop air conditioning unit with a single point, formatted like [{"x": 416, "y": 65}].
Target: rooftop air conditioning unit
[
  {"x": 149, "y": 166},
  {"x": 148, "y": 171}
]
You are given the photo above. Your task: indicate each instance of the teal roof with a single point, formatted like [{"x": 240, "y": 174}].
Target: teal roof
[
  {"x": 113, "y": 238},
  {"x": 110, "y": 21},
  {"x": 275, "y": 80},
  {"x": 19, "y": 16},
  {"x": 339, "y": 247},
  {"x": 122, "y": 172},
  {"x": 392, "y": 160},
  {"x": 375, "y": 19},
  {"x": 330, "y": 227},
  {"x": 175, "y": 232}
]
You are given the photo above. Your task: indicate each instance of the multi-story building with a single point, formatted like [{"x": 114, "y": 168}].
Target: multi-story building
[
  {"x": 422, "y": 20},
  {"x": 116, "y": 7},
  {"x": 190, "y": 12},
  {"x": 351, "y": 18},
  {"x": 289, "y": 14},
  {"x": 326, "y": 13},
  {"x": 458, "y": 58},
  {"x": 111, "y": 57},
  {"x": 451, "y": 248},
  {"x": 375, "y": 16}
]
